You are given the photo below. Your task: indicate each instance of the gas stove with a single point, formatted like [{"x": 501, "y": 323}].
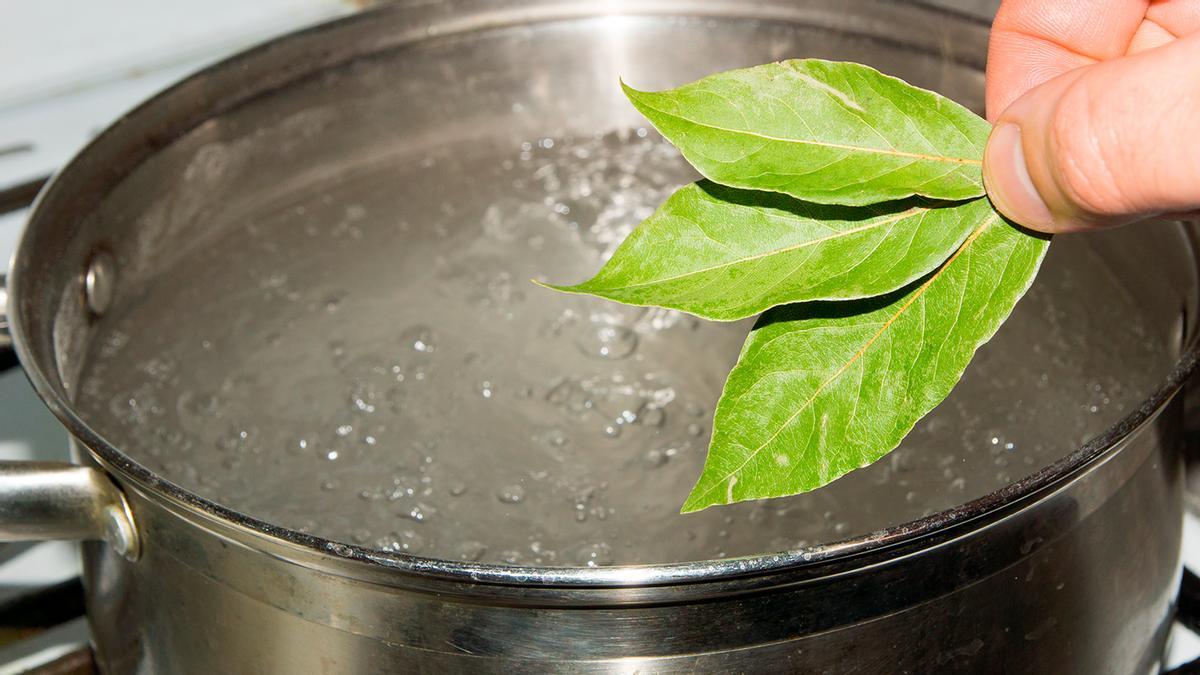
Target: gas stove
[{"x": 81, "y": 66}]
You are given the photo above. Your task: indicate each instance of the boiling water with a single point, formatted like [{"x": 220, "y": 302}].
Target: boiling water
[{"x": 367, "y": 361}]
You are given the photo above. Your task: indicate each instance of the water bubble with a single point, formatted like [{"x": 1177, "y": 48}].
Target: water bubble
[
  {"x": 485, "y": 389},
  {"x": 456, "y": 488},
  {"x": 197, "y": 405},
  {"x": 405, "y": 541},
  {"x": 607, "y": 342},
  {"x": 595, "y": 555},
  {"x": 329, "y": 485},
  {"x": 274, "y": 280},
  {"x": 333, "y": 300},
  {"x": 570, "y": 395},
  {"x": 674, "y": 449},
  {"x": 552, "y": 438},
  {"x": 470, "y": 551},
  {"x": 654, "y": 458},
  {"x": 420, "y": 337},
  {"x": 237, "y": 439},
  {"x": 421, "y": 512},
  {"x": 652, "y": 416},
  {"x": 612, "y": 430},
  {"x": 695, "y": 429},
  {"x": 693, "y": 409},
  {"x": 337, "y": 350},
  {"x": 114, "y": 343},
  {"x": 363, "y": 397},
  {"x": 331, "y": 455},
  {"x": 541, "y": 553},
  {"x": 511, "y": 494},
  {"x": 158, "y": 369}
]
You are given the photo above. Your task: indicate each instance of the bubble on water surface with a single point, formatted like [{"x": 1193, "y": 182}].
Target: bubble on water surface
[
  {"x": 511, "y": 494},
  {"x": 405, "y": 541},
  {"x": 421, "y": 512},
  {"x": 654, "y": 458},
  {"x": 607, "y": 342},
  {"x": 420, "y": 338},
  {"x": 595, "y": 555},
  {"x": 470, "y": 551}
]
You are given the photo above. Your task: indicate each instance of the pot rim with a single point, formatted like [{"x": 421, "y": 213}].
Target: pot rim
[{"x": 1028, "y": 489}]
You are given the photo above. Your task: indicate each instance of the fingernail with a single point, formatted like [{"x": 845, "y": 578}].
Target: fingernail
[{"x": 1006, "y": 178}]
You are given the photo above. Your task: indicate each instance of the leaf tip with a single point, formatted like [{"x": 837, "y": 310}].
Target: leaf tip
[
  {"x": 553, "y": 287},
  {"x": 573, "y": 289},
  {"x": 630, "y": 93},
  {"x": 695, "y": 502}
]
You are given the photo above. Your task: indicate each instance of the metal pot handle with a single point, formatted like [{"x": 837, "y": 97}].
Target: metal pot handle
[
  {"x": 55, "y": 500},
  {"x": 41, "y": 501}
]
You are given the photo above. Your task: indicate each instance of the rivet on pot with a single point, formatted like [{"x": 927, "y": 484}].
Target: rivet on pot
[
  {"x": 119, "y": 532},
  {"x": 99, "y": 282}
]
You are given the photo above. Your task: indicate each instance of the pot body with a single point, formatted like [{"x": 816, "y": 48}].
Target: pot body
[
  {"x": 1073, "y": 571},
  {"x": 1080, "y": 579}
]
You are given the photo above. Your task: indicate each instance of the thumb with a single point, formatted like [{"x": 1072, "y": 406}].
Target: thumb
[{"x": 1102, "y": 145}]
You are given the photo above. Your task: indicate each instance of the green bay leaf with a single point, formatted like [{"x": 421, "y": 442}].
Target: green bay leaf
[
  {"x": 821, "y": 389},
  {"x": 725, "y": 254},
  {"x": 822, "y": 131}
]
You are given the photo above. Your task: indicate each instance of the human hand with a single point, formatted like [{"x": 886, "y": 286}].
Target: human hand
[{"x": 1097, "y": 111}]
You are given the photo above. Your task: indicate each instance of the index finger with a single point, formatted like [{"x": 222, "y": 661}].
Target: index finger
[{"x": 1033, "y": 41}]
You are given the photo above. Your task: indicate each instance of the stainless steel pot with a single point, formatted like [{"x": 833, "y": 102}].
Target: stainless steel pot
[{"x": 1072, "y": 569}]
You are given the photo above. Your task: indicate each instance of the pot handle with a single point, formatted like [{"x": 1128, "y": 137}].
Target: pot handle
[
  {"x": 41, "y": 501},
  {"x": 55, "y": 500}
]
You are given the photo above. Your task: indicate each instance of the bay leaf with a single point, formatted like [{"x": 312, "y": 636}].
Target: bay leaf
[
  {"x": 725, "y": 254},
  {"x": 822, "y": 131},
  {"x": 821, "y": 389}
]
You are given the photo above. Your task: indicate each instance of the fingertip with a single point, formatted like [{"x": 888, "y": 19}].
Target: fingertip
[{"x": 1008, "y": 182}]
